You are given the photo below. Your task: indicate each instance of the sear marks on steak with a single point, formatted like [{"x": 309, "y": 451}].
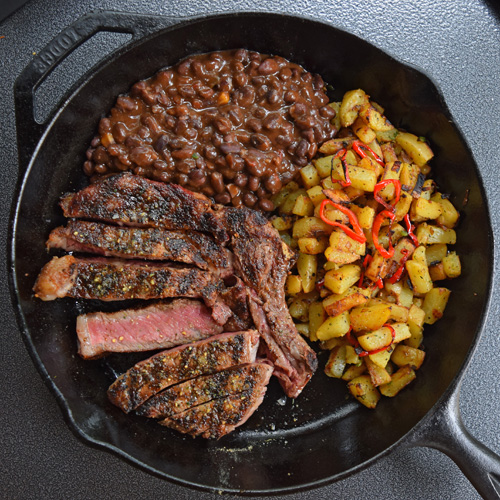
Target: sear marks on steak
[
  {"x": 148, "y": 377},
  {"x": 159, "y": 326},
  {"x": 135, "y": 201},
  {"x": 263, "y": 261},
  {"x": 218, "y": 417},
  {"x": 194, "y": 392},
  {"x": 142, "y": 243}
]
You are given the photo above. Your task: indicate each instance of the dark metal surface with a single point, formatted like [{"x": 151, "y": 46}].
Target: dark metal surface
[{"x": 385, "y": 480}]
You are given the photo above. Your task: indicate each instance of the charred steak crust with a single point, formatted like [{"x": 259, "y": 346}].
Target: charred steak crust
[
  {"x": 132, "y": 200},
  {"x": 181, "y": 397},
  {"x": 142, "y": 243},
  {"x": 170, "y": 367}
]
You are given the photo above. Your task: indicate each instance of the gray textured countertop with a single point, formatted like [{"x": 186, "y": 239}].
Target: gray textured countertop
[{"x": 458, "y": 44}]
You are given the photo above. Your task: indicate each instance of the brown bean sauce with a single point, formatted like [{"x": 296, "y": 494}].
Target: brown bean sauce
[{"x": 234, "y": 125}]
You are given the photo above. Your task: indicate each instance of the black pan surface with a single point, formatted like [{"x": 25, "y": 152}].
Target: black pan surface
[{"x": 331, "y": 434}]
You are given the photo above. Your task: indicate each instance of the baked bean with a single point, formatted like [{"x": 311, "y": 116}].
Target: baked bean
[
  {"x": 266, "y": 205},
  {"x": 236, "y": 125}
]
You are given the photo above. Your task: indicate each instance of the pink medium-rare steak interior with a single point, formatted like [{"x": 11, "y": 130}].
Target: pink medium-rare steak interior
[{"x": 158, "y": 326}]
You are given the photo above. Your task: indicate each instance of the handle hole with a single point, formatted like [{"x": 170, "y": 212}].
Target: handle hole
[{"x": 49, "y": 94}]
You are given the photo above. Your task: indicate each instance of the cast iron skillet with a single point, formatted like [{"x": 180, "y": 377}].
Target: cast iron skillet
[{"x": 287, "y": 445}]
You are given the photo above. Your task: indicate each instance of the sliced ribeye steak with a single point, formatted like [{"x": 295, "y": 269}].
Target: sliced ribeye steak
[
  {"x": 200, "y": 390},
  {"x": 148, "y": 377},
  {"x": 158, "y": 326}
]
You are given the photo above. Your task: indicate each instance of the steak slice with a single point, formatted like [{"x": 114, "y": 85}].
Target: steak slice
[
  {"x": 263, "y": 261},
  {"x": 170, "y": 367},
  {"x": 158, "y": 326},
  {"x": 194, "y": 392},
  {"x": 132, "y": 200},
  {"x": 142, "y": 243},
  {"x": 218, "y": 417}
]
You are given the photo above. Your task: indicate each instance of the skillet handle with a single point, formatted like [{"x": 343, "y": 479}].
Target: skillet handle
[
  {"x": 29, "y": 130},
  {"x": 447, "y": 433}
]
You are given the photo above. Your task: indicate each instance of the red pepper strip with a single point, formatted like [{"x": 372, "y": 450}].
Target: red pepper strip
[
  {"x": 380, "y": 283},
  {"x": 366, "y": 262},
  {"x": 319, "y": 284},
  {"x": 341, "y": 154},
  {"x": 361, "y": 149},
  {"x": 397, "y": 275},
  {"x": 376, "y": 229},
  {"x": 356, "y": 233},
  {"x": 381, "y": 185},
  {"x": 375, "y": 351},
  {"x": 352, "y": 340},
  {"x": 409, "y": 229}
]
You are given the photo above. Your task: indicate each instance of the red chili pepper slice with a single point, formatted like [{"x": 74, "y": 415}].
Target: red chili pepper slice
[
  {"x": 347, "y": 182},
  {"x": 381, "y": 185},
  {"x": 397, "y": 275},
  {"x": 375, "y": 351},
  {"x": 380, "y": 283},
  {"x": 387, "y": 254},
  {"x": 409, "y": 229},
  {"x": 362, "y": 149},
  {"x": 356, "y": 233}
]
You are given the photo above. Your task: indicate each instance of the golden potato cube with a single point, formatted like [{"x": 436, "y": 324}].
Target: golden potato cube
[
  {"x": 328, "y": 345},
  {"x": 299, "y": 309},
  {"x": 436, "y": 272},
  {"x": 428, "y": 234},
  {"x": 381, "y": 358},
  {"x": 435, "y": 253},
  {"x": 405, "y": 355},
  {"x": 416, "y": 315},
  {"x": 317, "y": 316},
  {"x": 351, "y": 356},
  {"x": 362, "y": 178},
  {"x": 334, "y": 326},
  {"x": 283, "y": 193},
  {"x": 422, "y": 209},
  {"x": 435, "y": 303},
  {"x": 289, "y": 202},
  {"x": 333, "y": 146},
  {"x": 377, "y": 268},
  {"x": 344, "y": 243},
  {"x": 335, "y": 365},
  {"x": 370, "y": 318},
  {"x": 386, "y": 136},
  {"x": 316, "y": 195},
  {"x": 419, "y": 276},
  {"x": 353, "y": 372},
  {"x": 418, "y": 150},
  {"x": 339, "y": 280},
  {"x": 408, "y": 176},
  {"x": 339, "y": 257},
  {"x": 399, "y": 380},
  {"x": 377, "y": 373},
  {"x": 450, "y": 214},
  {"x": 419, "y": 255},
  {"x": 375, "y": 119},
  {"x": 324, "y": 165},
  {"x": 377, "y": 339},
  {"x": 310, "y": 176},
  {"x": 417, "y": 335},
  {"x": 308, "y": 227},
  {"x": 307, "y": 266},
  {"x": 336, "y": 304},
  {"x": 351, "y": 103},
  {"x": 364, "y": 132},
  {"x": 399, "y": 313},
  {"x": 401, "y": 332},
  {"x": 288, "y": 240},
  {"x": 312, "y": 246},
  {"x": 402, "y": 206},
  {"x": 365, "y": 215},
  {"x": 282, "y": 223},
  {"x": 336, "y": 120},
  {"x": 293, "y": 284},
  {"x": 303, "y": 329},
  {"x": 364, "y": 391},
  {"x": 452, "y": 266},
  {"x": 303, "y": 207}
]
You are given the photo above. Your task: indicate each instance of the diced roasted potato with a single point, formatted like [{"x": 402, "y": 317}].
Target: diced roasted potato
[
  {"x": 452, "y": 266},
  {"x": 406, "y": 355},
  {"x": 375, "y": 119},
  {"x": 344, "y": 243},
  {"x": 317, "y": 316},
  {"x": 419, "y": 276},
  {"x": 365, "y": 215},
  {"x": 351, "y": 103},
  {"x": 316, "y": 195},
  {"x": 339, "y": 280},
  {"x": 307, "y": 266},
  {"x": 335, "y": 145},
  {"x": 419, "y": 151},
  {"x": 303, "y": 329},
  {"x": 289, "y": 202},
  {"x": 283, "y": 193},
  {"x": 381, "y": 358},
  {"x": 308, "y": 227},
  {"x": 399, "y": 380},
  {"x": 312, "y": 246},
  {"x": 377, "y": 339},
  {"x": 299, "y": 309},
  {"x": 369, "y": 317},
  {"x": 303, "y": 207},
  {"x": 422, "y": 209},
  {"x": 336, "y": 363},
  {"x": 354, "y": 371},
  {"x": 282, "y": 223},
  {"x": 363, "y": 131},
  {"x": 309, "y": 176},
  {"x": 293, "y": 284},
  {"x": 334, "y": 326},
  {"x": 351, "y": 356},
  {"x": 378, "y": 374},
  {"x": 450, "y": 215},
  {"x": 364, "y": 391},
  {"x": 436, "y": 272},
  {"x": 428, "y": 234},
  {"x": 435, "y": 253},
  {"x": 399, "y": 313},
  {"x": 435, "y": 303},
  {"x": 336, "y": 304}
]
